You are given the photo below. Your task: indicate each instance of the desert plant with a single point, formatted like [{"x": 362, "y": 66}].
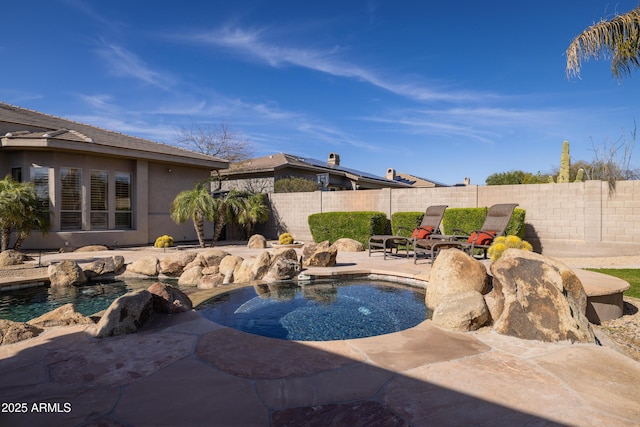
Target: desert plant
[
  {"x": 285, "y": 239},
  {"x": 163, "y": 242},
  {"x": 565, "y": 167},
  {"x": 502, "y": 243}
]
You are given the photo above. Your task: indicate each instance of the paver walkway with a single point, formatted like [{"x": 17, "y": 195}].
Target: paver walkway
[{"x": 183, "y": 370}]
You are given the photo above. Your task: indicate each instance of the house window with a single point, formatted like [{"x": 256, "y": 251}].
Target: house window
[
  {"x": 71, "y": 199},
  {"x": 40, "y": 179},
  {"x": 16, "y": 174},
  {"x": 123, "y": 200},
  {"x": 99, "y": 215}
]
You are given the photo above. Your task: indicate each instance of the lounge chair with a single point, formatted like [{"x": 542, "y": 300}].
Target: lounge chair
[
  {"x": 429, "y": 225},
  {"x": 495, "y": 224}
]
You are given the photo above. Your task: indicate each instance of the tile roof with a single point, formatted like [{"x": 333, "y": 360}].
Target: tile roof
[
  {"x": 28, "y": 125},
  {"x": 282, "y": 160}
]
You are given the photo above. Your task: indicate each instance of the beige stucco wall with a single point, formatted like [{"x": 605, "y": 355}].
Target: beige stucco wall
[
  {"x": 154, "y": 188},
  {"x": 561, "y": 219}
]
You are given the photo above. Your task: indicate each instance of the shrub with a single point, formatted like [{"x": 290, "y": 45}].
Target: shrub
[
  {"x": 294, "y": 184},
  {"x": 469, "y": 219},
  {"x": 163, "y": 242},
  {"x": 502, "y": 243},
  {"x": 285, "y": 239},
  {"x": 403, "y": 223},
  {"x": 358, "y": 226}
]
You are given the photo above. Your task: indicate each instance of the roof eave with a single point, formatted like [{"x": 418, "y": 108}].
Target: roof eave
[{"x": 96, "y": 148}]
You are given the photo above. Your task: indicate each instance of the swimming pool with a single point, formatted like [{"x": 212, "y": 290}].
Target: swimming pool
[
  {"x": 320, "y": 311},
  {"x": 22, "y": 305}
]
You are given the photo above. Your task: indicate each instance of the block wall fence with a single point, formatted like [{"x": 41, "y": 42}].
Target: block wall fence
[{"x": 573, "y": 219}]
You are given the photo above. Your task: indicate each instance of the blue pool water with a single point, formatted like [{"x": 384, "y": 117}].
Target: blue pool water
[
  {"x": 320, "y": 311},
  {"x": 25, "y": 304}
]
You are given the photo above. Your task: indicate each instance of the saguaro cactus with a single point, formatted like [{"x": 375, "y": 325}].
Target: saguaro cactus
[{"x": 565, "y": 163}]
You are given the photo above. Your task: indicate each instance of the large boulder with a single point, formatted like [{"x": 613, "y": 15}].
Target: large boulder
[
  {"x": 104, "y": 267},
  {"x": 146, "y": 266},
  {"x": 461, "y": 312},
  {"x": 243, "y": 274},
  {"x": 348, "y": 245},
  {"x": 174, "y": 264},
  {"x": 66, "y": 273},
  {"x": 257, "y": 241},
  {"x": 12, "y": 257},
  {"x": 260, "y": 266},
  {"x": 319, "y": 254},
  {"x": 282, "y": 269},
  {"x": 191, "y": 276},
  {"x": 62, "y": 316},
  {"x": 169, "y": 300},
  {"x": 453, "y": 272},
  {"x": 210, "y": 281},
  {"x": 213, "y": 257},
  {"x": 126, "y": 314},
  {"x": 538, "y": 298},
  {"x": 12, "y": 332},
  {"x": 229, "y": 267}
]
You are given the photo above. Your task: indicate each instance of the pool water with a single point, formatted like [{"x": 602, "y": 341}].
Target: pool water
[
  {"x": 25, "y": 304},
  {"x": 321, "y": 311}
]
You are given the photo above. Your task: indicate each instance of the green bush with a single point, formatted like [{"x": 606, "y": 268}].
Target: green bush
[
  {"x": 358, "y": 226},
  {"x": 403, "y": 223},
  {"x": 469, "y": 219},
  {"x": 295, "y": 184}
]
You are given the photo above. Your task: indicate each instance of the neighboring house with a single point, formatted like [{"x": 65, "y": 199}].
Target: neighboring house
[
  {"x": 102, "y": 187},
  {"x": 260, "y": 174},
  {"x": 412, "y": 180}
]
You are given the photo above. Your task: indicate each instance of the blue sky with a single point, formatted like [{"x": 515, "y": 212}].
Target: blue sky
[{"x": 441, "y": 91}]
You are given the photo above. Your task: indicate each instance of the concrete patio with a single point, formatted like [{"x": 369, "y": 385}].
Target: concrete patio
[{"x": 186, "y": 370}]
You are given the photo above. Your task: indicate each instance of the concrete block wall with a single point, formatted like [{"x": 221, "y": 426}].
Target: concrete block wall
[{"x": 580, "y": 219}]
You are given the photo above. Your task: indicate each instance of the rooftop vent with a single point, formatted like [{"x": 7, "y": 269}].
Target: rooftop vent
[
  {"x": 334, "y": 159},
  {"x": 16, "y": 133}
]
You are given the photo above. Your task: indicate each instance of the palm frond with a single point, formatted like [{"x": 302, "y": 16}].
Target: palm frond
[{"x": 617, "y": 39}]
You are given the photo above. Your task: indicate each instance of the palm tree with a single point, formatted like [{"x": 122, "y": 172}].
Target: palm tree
[
  {"x": 20, "y": 209},
  {"x": 618, "y": 38},
  {"x": 228, "y": 208},
  {"x": 197, "y": 205},
  {"x": 255, "y": 211}
]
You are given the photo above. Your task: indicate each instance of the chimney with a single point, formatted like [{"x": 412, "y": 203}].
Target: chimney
[
  {"x": 334, "y": 159},
  {"x": 391, "y": 174}
]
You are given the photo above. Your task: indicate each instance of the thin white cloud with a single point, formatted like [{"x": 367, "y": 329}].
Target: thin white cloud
[
  {"x": 482, "y": 124},
  {"x": 124, "y": 63},
  {"x": 252, "y": 44}
]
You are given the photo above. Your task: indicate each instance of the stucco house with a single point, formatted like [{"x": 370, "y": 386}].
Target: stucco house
[
  {"x": 102, "y": 187},
  {"x": 260, "y": 174}
]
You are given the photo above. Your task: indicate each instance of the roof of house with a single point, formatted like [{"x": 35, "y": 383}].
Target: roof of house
[
  {"x": 279, "y": 161},
  {"x": 35, "y": 130},
  {"x": 416, "y": 181}
]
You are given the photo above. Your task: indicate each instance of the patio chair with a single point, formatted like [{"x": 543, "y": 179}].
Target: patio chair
[
  {"x": 495, "y": 224},
  {"x": 429, "y": 225}
]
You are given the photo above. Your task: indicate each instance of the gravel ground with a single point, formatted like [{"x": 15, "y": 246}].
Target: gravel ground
[{"x": 625, "y": 331}]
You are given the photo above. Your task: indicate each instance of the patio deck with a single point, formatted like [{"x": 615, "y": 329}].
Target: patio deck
[{"x": 186, "y": 370}]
